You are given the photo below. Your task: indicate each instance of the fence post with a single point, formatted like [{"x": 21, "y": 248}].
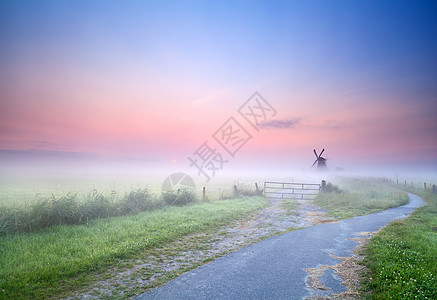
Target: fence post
[
  {"x": 424, "y": 185},
  {"x": 323, "y": 185},
  {"x": 203, "y": 193},
  {"x": 265, "y": 184},
  {"x": 235, "y": 190}
]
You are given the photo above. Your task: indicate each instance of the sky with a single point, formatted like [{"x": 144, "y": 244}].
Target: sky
[{"x": 155, "y": 80}]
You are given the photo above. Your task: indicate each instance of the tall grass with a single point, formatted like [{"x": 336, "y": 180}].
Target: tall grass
[
  {"x": 70, "y": 209},
  {"x": 52, "y": 261},
  {"x": 179, "y": 197},
  {"x": 354, "y": 197},
  {"x": 74, "y": 208},
  {"x": 237, "y": 190}
]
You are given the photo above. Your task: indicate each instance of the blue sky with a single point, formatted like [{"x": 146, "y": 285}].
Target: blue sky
[{"x": 156, "y": 78}]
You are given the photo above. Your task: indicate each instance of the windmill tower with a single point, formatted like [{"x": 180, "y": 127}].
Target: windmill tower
[{"x": 321, "y": 161}]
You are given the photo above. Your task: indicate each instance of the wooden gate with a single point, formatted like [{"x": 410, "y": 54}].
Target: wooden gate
[{"x": 291, "y": 190}]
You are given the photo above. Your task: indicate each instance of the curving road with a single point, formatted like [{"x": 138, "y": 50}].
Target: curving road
[{"x": 274, "y": 268}]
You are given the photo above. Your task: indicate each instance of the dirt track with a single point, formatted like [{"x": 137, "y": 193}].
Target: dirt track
[
  {"x": 150, "y": 269},
  {"x": 303, "y": 263}
]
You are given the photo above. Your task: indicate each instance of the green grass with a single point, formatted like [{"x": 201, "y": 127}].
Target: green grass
[
  {"x": 355, "y": 197},
  {"x": 52, "y": 261},
  {"x": 78, "y": 208},
  {"x": 402, "y": 258},
  {"x": 70, "y": 209}
]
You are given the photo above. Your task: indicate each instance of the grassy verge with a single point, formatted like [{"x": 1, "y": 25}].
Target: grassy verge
[
  {"x": 355, "y": 197},
  {"x": 52, "y": 261},
  {"x": 71, "y": 209},
  {"x": 402, "y": 258}
]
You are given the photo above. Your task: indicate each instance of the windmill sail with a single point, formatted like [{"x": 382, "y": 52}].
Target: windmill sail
[{"x": 321, "y": 161}]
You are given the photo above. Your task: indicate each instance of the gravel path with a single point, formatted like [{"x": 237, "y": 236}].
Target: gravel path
[
  {"x": 295, "y": 265},
  {"x": 151, "y": 268}
]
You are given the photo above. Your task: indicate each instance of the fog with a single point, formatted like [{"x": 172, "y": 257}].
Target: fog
[{"x": 26, "y": 174}]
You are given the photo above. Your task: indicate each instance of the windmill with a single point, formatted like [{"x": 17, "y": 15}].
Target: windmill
[{"x": 321, "y": 162}]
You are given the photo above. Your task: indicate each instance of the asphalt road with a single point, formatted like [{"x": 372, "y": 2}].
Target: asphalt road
[{"x": 274, "y": 268}]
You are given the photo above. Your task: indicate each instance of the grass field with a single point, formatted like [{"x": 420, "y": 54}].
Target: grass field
[
  {"x": 16, "y": 191},
  {"x": 55, "y": 261},
  {"x": 402, "y": 258},
  {"x": 52, "y": 261}
]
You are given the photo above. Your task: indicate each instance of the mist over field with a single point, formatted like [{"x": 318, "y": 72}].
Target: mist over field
[
  {"x": 23, "y": 175},
  {"x": 119, "y": 95}
]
